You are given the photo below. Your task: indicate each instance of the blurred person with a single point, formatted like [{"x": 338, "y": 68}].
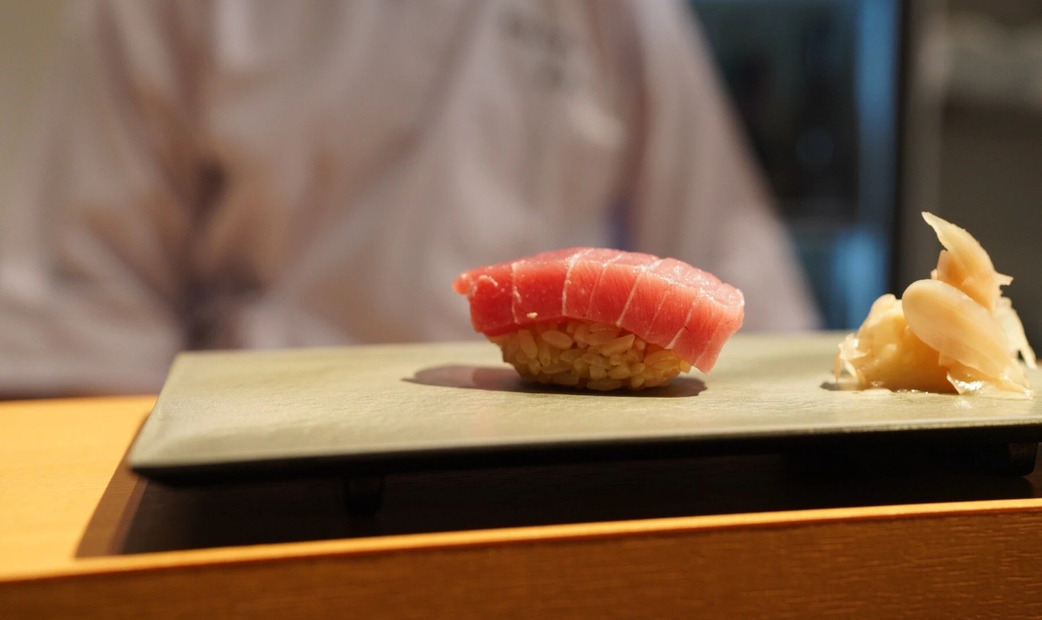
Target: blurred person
[{"x": 245, "y": 173}]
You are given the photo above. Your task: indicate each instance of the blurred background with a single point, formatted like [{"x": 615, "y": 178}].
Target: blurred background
[
  {"x": 862, "y": 112},
  {"x": 866, "y": 112},
  {"x": 29, "y": 35}
]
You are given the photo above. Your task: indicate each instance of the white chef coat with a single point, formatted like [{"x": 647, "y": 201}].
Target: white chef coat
[{"x": 254, "y": 173}]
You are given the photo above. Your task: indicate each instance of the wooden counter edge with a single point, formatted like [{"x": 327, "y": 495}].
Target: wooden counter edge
[
  {"x": 946, "y": 561},
  {"x": 521, "y": 535}
]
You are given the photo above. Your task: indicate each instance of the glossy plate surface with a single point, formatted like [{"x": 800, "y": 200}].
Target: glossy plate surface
[{"x": 385, "y": 408}]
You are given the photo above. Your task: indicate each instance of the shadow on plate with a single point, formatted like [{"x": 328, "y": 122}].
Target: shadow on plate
[
  {"x": 839, "y": 386},
  {"x": 507, "y": 380}
]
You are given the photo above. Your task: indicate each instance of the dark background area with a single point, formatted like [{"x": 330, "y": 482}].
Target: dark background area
[{"x": 817, "y": 84}]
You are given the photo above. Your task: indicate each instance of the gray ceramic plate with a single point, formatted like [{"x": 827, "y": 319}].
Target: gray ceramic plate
[{"x": 412, "y": 407}]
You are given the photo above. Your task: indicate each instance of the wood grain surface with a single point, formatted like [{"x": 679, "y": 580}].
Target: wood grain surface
[{"x": 762, "y": 535}]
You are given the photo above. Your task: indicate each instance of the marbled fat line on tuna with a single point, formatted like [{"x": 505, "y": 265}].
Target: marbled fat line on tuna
[
  {"x": 672, "y": 282},
  {"x": 538, "y": 285},
  {"x": 644, "y": 271},
  {"x": 687, "y": 318},
  {"x": 568, "y": 278},
  {"x": 600, "y": 279},
  {"x": 694, "y": 303},
  {"x": 515, "y": 296}
]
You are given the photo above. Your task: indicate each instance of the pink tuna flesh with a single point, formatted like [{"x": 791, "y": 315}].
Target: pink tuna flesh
[{"x": 614, "y": 288}]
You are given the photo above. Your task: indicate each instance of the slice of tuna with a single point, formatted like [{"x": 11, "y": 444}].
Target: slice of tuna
[
  {"x": 728, "y": 324},
  {"x": 705, "y": 314},
  {"x": 491, "y": 293},
  {"x": 663, "y": 301},
  {"x": 613, "y": 289},
  {"x": 682, "y": 297},
  {"x": 585, "y": 273},
  {"x": 651, "y": 288},
  {"x": 539, "y": 285}
]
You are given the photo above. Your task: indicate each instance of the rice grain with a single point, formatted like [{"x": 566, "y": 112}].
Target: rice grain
[{"x": 588, "y": 355}]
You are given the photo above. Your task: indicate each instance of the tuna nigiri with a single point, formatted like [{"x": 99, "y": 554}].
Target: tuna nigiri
[{"x": 602, "y": 319}]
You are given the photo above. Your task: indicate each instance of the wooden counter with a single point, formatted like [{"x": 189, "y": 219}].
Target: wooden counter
[{"x": 765, "y": 535}]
